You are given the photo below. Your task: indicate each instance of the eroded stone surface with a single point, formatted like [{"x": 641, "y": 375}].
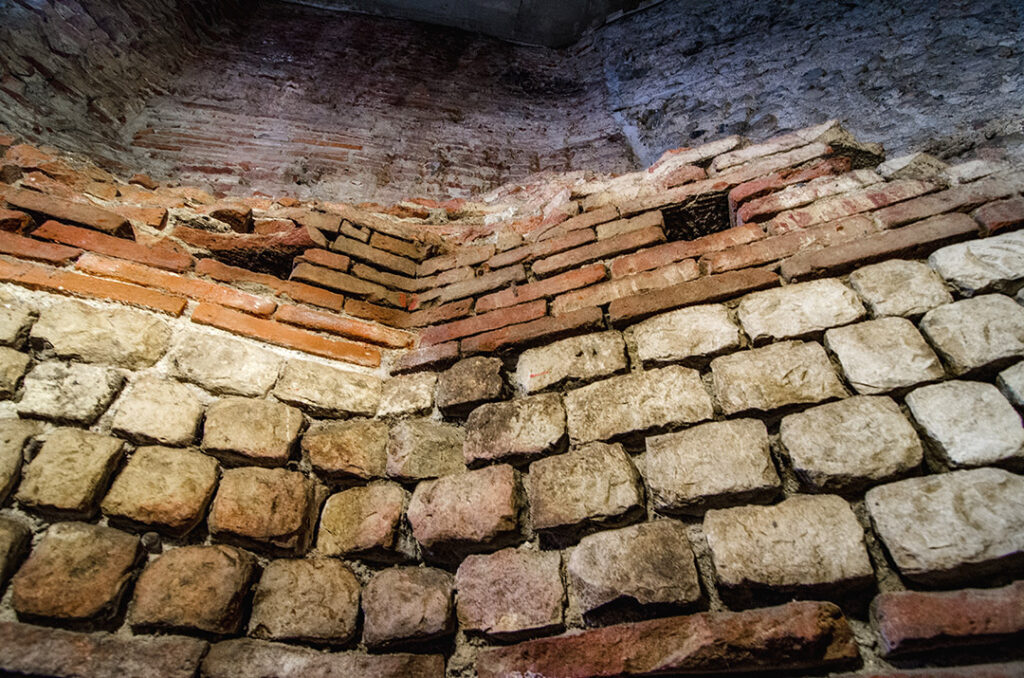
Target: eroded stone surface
[
  {"x": 365, "y": 522},
  {"x": 469, "y": 383},
  {"x": 408, "y": 394},
  {"x": 252, "y": 431},
  {"x": 14, "y": 433},
  {"x": 981, "y": 265},
  {"x": 13, "y": 365},
  {"x": 1010, "y": 382},
  {"x": 72, "y": 393},
  {"x": 223, "y": 365},
  {"x": 900, "y": 287},
  {"x": 976, "y": 333},
  {"x": 516, "y": 430},
  {"x": 158, "y": 411},
  {"x": 798, "y": 310},
  {"x": 328, "y": 391},
  {"x": 689, "y": 333},
  {"x": 884, "y": 354},
  {"x": 347, "y": 449},
  {"x": 581, "y": 358},
  {"x": 422, "y": 448},
  {"x": 14, "y": 541},
  {"x": 15, "y": 321},
  {"x": 407, "y": 604}
]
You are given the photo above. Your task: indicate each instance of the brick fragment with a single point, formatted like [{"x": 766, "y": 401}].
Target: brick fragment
[
  {"x": 574, "y": 360},
  {"x": 645, "y": 220},
  {"x": 392, "y": 280},
  {"x": 900, "y": 288},
  {"x": 154, "y": 217},
  {"x": 957, "y": 198},
  {"x": 27, "y": 248},
  {"x": 343, "y": 282},
  {"x": 882, "y": 355},
  {"x": 760, "y": 209},
  {"x": 463, "y": 256},
  {"x": 342, "y": 450},
  {"x": 483, "y": 283},
  {"x": 535, "y": 331},
  {"x": 626, "y": 286},
  {"x": 600, "y": 250},
  {"x": 514, "y": 431},
  {"x": 686, "y": 334},
  {"x": 798, "y": 310},
  {"x": 366, "y": 522},
  {"x": 289, "y": 289},
  {"x": 431, "y": 316},
  {"x": 163, "y": 255},
  {"x": 370, "y": 254},
  {"x": 310, "y": 601},
  {"x": 405, "y": 605},
  {"x": 408, "y": 394},
  {"x": 423, "y": 448},
  {"x": 787, "y": 177},
  {"x": 14, "y": 221},
  {"x": 544, "y": 248},
  {"x": 94, "y": 217},
  {"x": 1001, "y": 215},
  {"x": 983, "y": 332},
  {"x": 73, "y": 393},
  {"x": 670, "y": 252},
  {"x": 439, "y": 355},
  {"x": 548, "y": 287},
  {"x": 468, "y": 383},
  {"x": 485, "y": 322},
  {"x": 982, "y": 265},
  {"x": 585, "y": 220},
  {"x": 320, "y": 257}
]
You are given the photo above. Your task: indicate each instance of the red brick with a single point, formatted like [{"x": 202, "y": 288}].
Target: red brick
[
  {"x": 684, "y": 174},
  {"x": 166, "y": 256},
  {"x": 363, "y": 218},
  {"x": 598, "y": 250},
  {"x": 464, "y": 256},
  {"x": 343, "y": 282},
  {"x": 599, "y": 295},
  {"x": 438, "y": 334},
  {"x": 439, "y": 314},
  {"x": 65, "y": 282},
  {"x": 27, "y": 248},
  {"x": 790, "y": 637},
  {"x": 300, "y": 292},
  {"x": 65, "y": 210},
  {"x": 37, "y": 181},
  {"x": 672, "y": 196},
  {"x": 912, "y": 621},
  {"x": 269, "y": 226},
  {"x": 537, "y": 331},
  {"x": 701, "y": 291},
  {"x": 370, "y": 254},
  {"x": 245, "y": 246},
  {"x": 585, "y": 220},
  {"x": 155, "y": 217},
  {"x": 958, "y": 198},
  {"x": 381, "y": 314},
  {"x": 200, "y": 290},
  {"x": 1000, "y": 216},
  {"x": 452, "y": 275},
  {"x": 670, "y": 252},
  {"x": 797, "y": 197},
  {"x": 6, "y": 140},
  {"x": 781, "y": 246},
  {"x": 620, "y": 226},
  {"x": 338, "y": 262},
  {"x": 787, "y": 177},
  {"x": 917, "y": 239},
  {"x": 352, "y": 231},
  {"x": 144, "y": 180},
  {"x": 542, "y": 249},
  {"x": 285, "y": 335},
  {"x": 439, "y": 355},
  {"x": 548, "y": 287},
  {"x": 344, "y": 327},
  {"x": 320, "y": 221},
  {"x": 484, "y": 283},
  {"x": 392, "y": 280},
  {"x": 1011, "y": 670},
  {"x": 403, "y": 248},
  {"x": 12, "y": 220}
]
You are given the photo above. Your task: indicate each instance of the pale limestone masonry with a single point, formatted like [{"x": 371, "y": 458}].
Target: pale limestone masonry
[
  {"x": 222, "y": 365},
  {"x": 799, "y": 310},
  {"x": 883, "y": 355},
  {"x": 984, "y": 265},
  {"x": 976, "y": 333},
  {"x": 695, "y": 332},
  {"x": 899, "y": 287},
  {"x": 582, "y": 358}
]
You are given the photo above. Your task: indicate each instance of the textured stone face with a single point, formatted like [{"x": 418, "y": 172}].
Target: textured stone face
[
  {"x": 314, "y": 600},
  {"x": 14, "y": 433},
  {"x": 224, "y": 365},
  {"x": 407, "y": 604},
  {"x": 15, "y": 321},
  {"x": 509, "y": 593},
  {"x": 469, "y": 383},
  {"x": 76, "y": 572},
  {"x": 327, "y": 391},
  {"x": 70, "y": 473},
  {"x": 347, "y": 449},
  {"x": 645, "y": 564},
  {"x": 269, "y": 509},
  {"x": 710, "y": 466},
  {"x": 517, "y": 430},
  {"x": 72, "y": 393},
  {"x": 252, "y": 431},
  {"x": 951, "y": 528},
  {"x": 768, "y": 378},
  {"x": 636, "y": 402},
  {"x": 981, "y": 265},
  {"x": 885, "y": 354},
  {"x": 694, "y": 332},
  {"x": 967, "y": 423},
  {"x": 14, "y": 541},
  {"x": 163, "y": 488},
  {"x": 849, "y": 444},
  {"x": 158, "y": 411},
  {"x": 804, "y": 545},
  {"x": 365, "y": 522},
  {"x": 408, "y": 394},
  {"x": 422, "y": 448},
  {"x": 13, "y": 366},
  {"x": 1011, "y": 383},
  {"x": 798, "y": 310},
  {"x": 582, "y": 358},
  {"x": 976, "y": 333},
  {"x": 193, "y": 588},
  {"x": 899, "y": 287}
]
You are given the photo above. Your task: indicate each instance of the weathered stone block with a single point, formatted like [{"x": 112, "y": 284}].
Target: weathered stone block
[
  {"x": 408, "y": 394},
  {"x": 193, "y": 588},
  {"x": 13, "y": 365},
  {"x": 223, "y": 365},
  {"x": 72, "y": 393},
  {"x": 884, "y": 354},
  {"x": 77, "y": 572},
  {"x": 1010, "y": 382},
  {"x": 985, "y": 331},
  {"x": 421, "y": 448},
  {"x": 70, "y": 473},
  {"x": 162, "y": 488},
  {"x": 245, "y": 430},
  {"x": 798, "y": 310},
  {"x": 774, "y": 376},
  {"x": 583, "y": 358},
  {"x": 469, "y": 383},
  {"x": 327, "y": 391},
  {"x": 637, "y": 402},
  {"x": 15, "y": 538},
  {"x": 899, "y": 287},
  {"x": 158, "y": 411},
  {"x": 510, "y": 594},
  {"x": 847, "y": 445},
  {"x": 710, "y": 466},
  {"x": 407, "y": 605},
  {"x": 311, "y": 601},
  {"x": 340, "y": 450},
  {"x": 366, "y": 523},
  {"x": 514, "y": 431},
  {"x": 15, "y": 321},
  {"x": 689, "y": 333},
  {"x": 952, "y": 528},
  {"x": 981, "y": 265},
  {"x": 14, "y": 433}
]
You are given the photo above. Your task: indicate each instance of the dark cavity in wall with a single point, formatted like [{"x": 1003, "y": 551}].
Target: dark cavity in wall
[{"x": 703, "y": 215}]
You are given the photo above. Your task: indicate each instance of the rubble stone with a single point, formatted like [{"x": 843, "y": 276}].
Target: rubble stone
[
  {"x": 15, "y": 538},
  {"x": 251, "y": 431},
  {"x": 981, "y": 265},
  {"x": 407, "y": 605},
  {"x": 583, "y": 358},
  {"x": 13, "y": 365},
  {"x": 899, "y": 287},
  {"x": 468, "y": 383},
  {"x": 408, "y": 394},
  {"x": 1010, "y": 382},
  {"x": 14, "y": 433},
  {"x": 884, "y": 354},
  {"x": 223, "y": 365},
  {"x": 688, "y": 333},
  {"x": 158, "y": 411},
  {"x": 15, "y": 321},
  {"x": 798, "y": 310},
  {"x": 365, "y": 522},
  {"x": 419, "y": 449},
  {"x": 514, "y": 431},
  {"x": 340, "y": 450},
  {"x": 326, "y": 391},
  {"x": 72, "y": 393},
  {"x": 976, "y": 333}
]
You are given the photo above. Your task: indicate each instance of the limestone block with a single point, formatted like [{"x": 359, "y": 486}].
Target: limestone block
[
  {"x": 899, "y": 287},
  {"x": 982, "y": 265},
  {"x": 15, "y": 321},
  {"x": 155, "y": 410},
  {"x": 251, "y": 431},
  {"x": 688, "y": 333},
  {"x": 406, "y": 605},
  {"x": 882, "y": 355},
  {"x": 1010, "y": 382},
  {"x": 223, "y": 365},
  {"x": 408, "y": 394},
  {"x": 72, "y": 393},
  {"x": 576, "y": 359},
  {"x": 469, "y": 383},
  {"x": 421, "y": 448},
  {"x": 14, "y": 433},
  {"x": 327, "y": 391},
  {"x": 15, "y": 537},
  {"x": 798, "y": 310},
  {"x": 340, "y": 450},
  {"x": 514, "y": 431},
  {"x": 13, "y": 365},
  {"x": 311, "y": 601},
  {"x": 366, "y": 523},
  {"x": 976, "y": 333}
]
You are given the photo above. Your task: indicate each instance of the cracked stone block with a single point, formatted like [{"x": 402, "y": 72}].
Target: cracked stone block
[
  {"x": 158, "y": 411},
  {"x": 592, "y": 485},
  {"x": 13, "y": 365},
  {"x": 420, "y": 449},
  {"x": 688, "y": 333},
  {"x": 15, "y": 537},
  {"x": 308, "y": 601},
  {"x": 798, "y": 310},
  {"x": 637, "y": 402},
  {"x": 576, "y": 359},
  {"x": 271, "y": 510},
  {"x": 469, "y": 383},
  {"x": 327, "y": 391},
  {"x": 366, "y": 523},
  {"x": 786, "y": 373},
  {"x": 73, "y": 393},
  {"x": 403, "y": 605},
  {"x": 408, "y": 394},
  {"x": 511, "y": 594},
  {"x": 849, "y": 444},
  {"x": 77, "y": 572},
  {"x": 968, "y": 423},
  {"x": 900, "y": 288},
  {"x": 342, "y": 450},
  {"x": 123, "y": 337},
  {"x": 1010, "y": 382},
  {"x": 514, "y": 431},
  {"x": 14, "y": 433},
  {"x": 193, "y": 588},
  {"x": 163, "y": 489},
  {"x": 971, "y": 334},
  {"x": 467, "y": 512},
  {"x": 710, "y": 466},
  {"x": 806, "y": 546},
  {"x": 70, "y": 473},
  {"x": 952, "y": 528},
  {"x": 882, "y": 355},
  {"x": 223, "y": 365},
  {"x": 250, "y": 431},
  {"x": 649, "y": 565},
  {"x": 982, "y": 265},
  {"x": 15, "y": 321}
]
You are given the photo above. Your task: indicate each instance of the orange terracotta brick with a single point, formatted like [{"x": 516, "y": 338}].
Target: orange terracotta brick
[
  {"x": 372, "y": 255},
  {"x": 548, "y": 287},
  {"x": 670, "y": 252},
  {"x": 439, "y": 314},
  {"x": 392, "y": 280},
  {"x": 403, "y": 248},
  {"x": 537, "y": 331},
  {"x": 599, "y": 250},
  {"x": 631, "y": 285},
  {"x": 349, "y": 284},
  {"x": 585, "y": 220},
  {"x": 439, "y": 355},
  {"x": 787, "y": 177},
  {"x": 464, "y": 256},
  {"x": 344, "y": 327},
  {"x": 338, "y": 262},
  {"x": 13, "y": 220},
  {"x": 155, "y": 217},
  {"x": 168, "y": 257},
  {"x": 269, "y": 226},
  {"x": 29, "y": 248},
  {"x": 77, "y": 213},
  {"x": 958, "y": 198},
  {"x": 542, "y": 249},
  {"x": 439, "y": 334},
  {"x": 392, "y": 317},
  {"x": 1000, "y": 216},
  {"x": 296, "y": 291},
  {"x": 288, "y": 336}
]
